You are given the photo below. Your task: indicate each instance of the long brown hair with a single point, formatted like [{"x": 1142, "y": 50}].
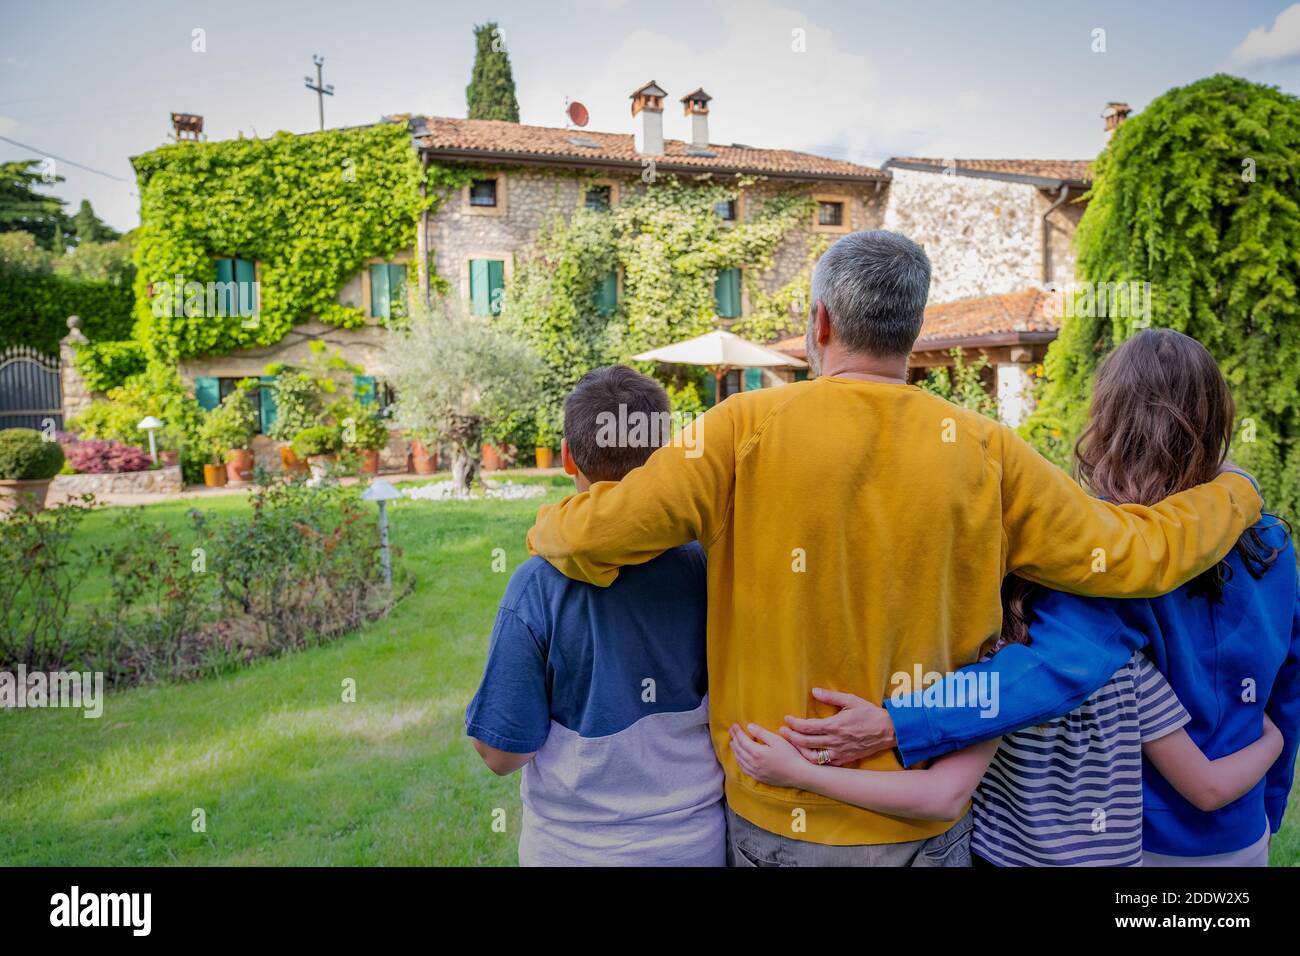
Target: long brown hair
[{"x": 1160, "y": 422}]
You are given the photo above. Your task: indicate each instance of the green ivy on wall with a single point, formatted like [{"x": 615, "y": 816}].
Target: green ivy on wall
[
  {"x": 666, "y": 244},
  {"x": 309, "y": 210}
]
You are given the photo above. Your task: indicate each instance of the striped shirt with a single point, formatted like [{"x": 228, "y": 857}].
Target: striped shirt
[{"x": 1069, "y": 792}]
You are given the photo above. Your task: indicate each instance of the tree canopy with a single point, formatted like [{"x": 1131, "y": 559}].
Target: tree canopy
[
  {"x": 491, "y": 91},
  {"x": 1198, "y": 195}
]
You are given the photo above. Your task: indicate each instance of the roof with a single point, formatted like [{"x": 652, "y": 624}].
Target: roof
[
  {"x": 502, "y": 141},
  {"x": 1007, "y": 319},
  {"x": 1044, "y": 173},
  {"x": 1011, "y": 318}
]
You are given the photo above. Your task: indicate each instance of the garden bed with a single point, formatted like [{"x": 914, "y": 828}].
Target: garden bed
[{"x": 155, "y": 481}]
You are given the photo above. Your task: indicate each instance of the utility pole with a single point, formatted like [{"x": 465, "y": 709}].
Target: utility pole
[{"x": 320, "y": 89}]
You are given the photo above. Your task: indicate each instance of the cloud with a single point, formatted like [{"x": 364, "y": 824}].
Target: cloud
[{"x": 1273, "y": 45}]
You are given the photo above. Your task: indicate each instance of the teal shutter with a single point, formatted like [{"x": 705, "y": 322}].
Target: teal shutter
[
  {"x": 605, "y": 298},
  {"x": 363, "y": 386},
  {"x": 225, "y": 270},
  {"x": 726, "y": 293},
  {"x": 710, "y": 391},
  {"x": 496, "y": 284},
  {"x": 479, "y": 293},
  {"x": 396, "y": 289},
  {"x": 801, "y": 375},
  {"x": 207, "y": 392},
  {"x": 245, "y": 288},
  {"x": 753, "y": 378},
  {"x": 267, "y": 403},
  {"x": 379, "y": 294}
]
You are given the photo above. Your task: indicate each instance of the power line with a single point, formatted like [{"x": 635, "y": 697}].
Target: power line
[{"x": 41, "y": 152}]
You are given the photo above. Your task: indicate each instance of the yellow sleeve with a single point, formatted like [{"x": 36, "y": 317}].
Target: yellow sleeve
[
  {"x": 1060, "y": 536},
  {"x": 681, "y": 494}
]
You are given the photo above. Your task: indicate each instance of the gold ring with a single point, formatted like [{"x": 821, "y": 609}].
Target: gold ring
[{"x": 824, "y": 756}]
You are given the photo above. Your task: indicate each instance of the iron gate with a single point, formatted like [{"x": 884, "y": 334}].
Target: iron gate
[{"x": 30, "y": 393}]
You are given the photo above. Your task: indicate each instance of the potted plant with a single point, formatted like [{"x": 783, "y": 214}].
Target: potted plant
[
  {"x": 28, "y": 463},
  {"x": 229, "y": 429},
  {"x": 361, "y": 431},
  {"x": 424, "y": 461},
  {"x": 214, "y": 474},
  {"x": 547, "y": 438},
  {"x": 319, "y": 445}
]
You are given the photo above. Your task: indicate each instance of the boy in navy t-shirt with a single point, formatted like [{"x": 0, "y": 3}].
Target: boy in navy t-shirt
[{"x": 600, "y": 694}]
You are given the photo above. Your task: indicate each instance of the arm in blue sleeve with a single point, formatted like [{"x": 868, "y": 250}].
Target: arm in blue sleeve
[
  {"x": 1076, "y": 645},
  {"x": 1284, "y": 709}
]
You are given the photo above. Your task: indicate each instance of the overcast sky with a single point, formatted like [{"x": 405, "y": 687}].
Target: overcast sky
[{"x": 95, "y": 82}]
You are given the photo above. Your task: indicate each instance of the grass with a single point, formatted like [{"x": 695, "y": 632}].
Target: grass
[{"x": 285, "y": 772}]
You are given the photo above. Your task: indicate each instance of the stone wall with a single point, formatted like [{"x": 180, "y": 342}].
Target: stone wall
[
  {"x": 984, "y": 236},
  {"x": 76, "y": 395},
  {"x": 165, "y": 480}
]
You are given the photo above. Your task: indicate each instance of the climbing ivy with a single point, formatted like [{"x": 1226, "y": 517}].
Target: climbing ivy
[
  {"x": 310, "y": 210},
  {"x": 667, "y": 244},
  {"x": 1198, "y": 195}
]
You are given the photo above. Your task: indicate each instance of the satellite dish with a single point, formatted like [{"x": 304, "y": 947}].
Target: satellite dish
[{"x": 577, "y": 114}]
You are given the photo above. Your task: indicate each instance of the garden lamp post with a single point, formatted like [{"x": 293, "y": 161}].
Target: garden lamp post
[
  {"x": 381, "y": 492},
  {"x": 151, "y": 425}
]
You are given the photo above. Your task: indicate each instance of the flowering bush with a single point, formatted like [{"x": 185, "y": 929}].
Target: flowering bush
[{"x": 101, "y": 457}]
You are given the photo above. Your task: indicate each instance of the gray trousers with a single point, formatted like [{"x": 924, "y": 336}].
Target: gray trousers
[{"x": 749, "y": 845}]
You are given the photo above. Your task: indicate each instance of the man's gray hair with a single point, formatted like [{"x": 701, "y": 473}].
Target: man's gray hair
[{"x": 874, "y": 285}]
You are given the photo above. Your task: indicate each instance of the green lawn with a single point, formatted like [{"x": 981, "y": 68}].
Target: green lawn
[{"x": 285, "y": 771}]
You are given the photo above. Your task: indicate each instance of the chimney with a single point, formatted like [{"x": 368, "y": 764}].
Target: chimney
[
  {"x": 649, "y": 133},
  {"x": 1114, "y": 114},
  {"x": 697, "y": 108},
  {"x": 187, "y": 126}
]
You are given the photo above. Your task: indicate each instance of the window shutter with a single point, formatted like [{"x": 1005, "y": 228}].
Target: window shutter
[
  {"x": 225, "y": 270},
  {"x": 379, "y": 297},
  {"x": 207, "y": 392},
  {"x": 245, "y": 290},
  {"x": 753, "y": 378},
  {"x": 801, "y": 375},
  {"x": 605, "y": 298},
  {"x": 710, "y": 390},
  {"x": 479, "y": 293},
  {"x": 726, "y": 293},
  {"x": 363, "y": 386},
  {"x": 496, "y": 284},
  {"x": 397, "y": 288},
  {"x": 267, "y": 402}
]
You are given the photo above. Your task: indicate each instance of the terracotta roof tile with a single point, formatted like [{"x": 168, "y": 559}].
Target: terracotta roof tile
[
  {"x": 1070, "y": 170},
  {"x": 497, "y": 139},
  {"x": 1029, "y": 310}
]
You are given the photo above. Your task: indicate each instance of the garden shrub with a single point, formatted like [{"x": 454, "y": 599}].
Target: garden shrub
[
  {"x": 233, "y": 423},
  {"x": 25, "y": 455},
  {"x": 316, "y": 440},
  {"x": 105, "y": 365},
  {"x": 97, "y": 457}
]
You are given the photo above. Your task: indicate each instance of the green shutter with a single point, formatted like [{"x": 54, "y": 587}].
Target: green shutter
[
  {"x": 753, "y": 378},
  {"x": 479, "y": 293},
  {"x": 207, "y": 392},
  {"x": 801, "y": 375},
  {"x": 726, "y": 293},
  {"x": 363, "y": 386},
  {"x": 496, "y": 284},
  {"x": 225, "y": 270},
  {"x": 605, "y": 298},
  {"x": 245, "y": 288},
  {"x": 379, "y": 291},
  {"x": 710, "y": 390},
  {"x": 396, "y": 289},
  {"x": 267, "y": 402}
]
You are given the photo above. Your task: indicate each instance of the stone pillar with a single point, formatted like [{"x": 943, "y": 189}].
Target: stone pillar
[
  {"x": 76, "y": 396},
  {"x": 1015, "y": 392}
]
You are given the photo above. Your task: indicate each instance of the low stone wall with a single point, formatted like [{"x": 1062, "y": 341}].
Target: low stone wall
[{"x": 162, "y": 481}]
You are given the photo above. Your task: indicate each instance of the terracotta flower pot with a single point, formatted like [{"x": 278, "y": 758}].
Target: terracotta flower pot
[
  {"x": 424, "y": 462},
  {"x": 370, "y": 461},
  {"x": 19, "y": 495},
  {"x": 290, "y": 461},
  {"x": 214, "y": 476},
  {"x": 491, "y": 458},
  {"x": 239, "y": 464},
  {"x": 171, "y": 457},
  {"x": 545, "y": 457}
]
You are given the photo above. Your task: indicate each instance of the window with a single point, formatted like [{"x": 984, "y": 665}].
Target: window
[
  {"x": 604, "y": 298},
  {"x": 726, "y": 293},
  {"x": 387, "y": 289},
  {"x": 753, "y": 379},
  {"x": 237, "y": 286},
  {"x": 726, "y": 210},
  {"x": 832, "y": 214},
  {"x": 224, "y": 386},
  {"x": 487, "y": 281},
  {"x": 600, "y": 197},
  {"x": 483, "y": 192}
]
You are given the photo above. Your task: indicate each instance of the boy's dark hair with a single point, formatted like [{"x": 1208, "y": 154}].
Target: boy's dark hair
[{"x": 605, "y": 443}]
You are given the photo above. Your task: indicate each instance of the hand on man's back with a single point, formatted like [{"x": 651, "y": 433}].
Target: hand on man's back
[{"x": 859, "y": 730}]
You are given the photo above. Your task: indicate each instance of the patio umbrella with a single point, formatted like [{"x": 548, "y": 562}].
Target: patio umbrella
[{"x": 721, "y": 351}]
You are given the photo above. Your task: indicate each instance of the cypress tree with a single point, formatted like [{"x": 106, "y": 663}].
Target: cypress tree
[{"x": 491, "y": 90}]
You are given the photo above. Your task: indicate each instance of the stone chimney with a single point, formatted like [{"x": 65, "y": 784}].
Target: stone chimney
[
  {"x": 649, "y": 132},
  {"x": 697, "y": 108},
  {"x": 1114, "y": 114}
]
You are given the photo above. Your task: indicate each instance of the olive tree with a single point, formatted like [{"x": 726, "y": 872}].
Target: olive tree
[{"x": 454, "y": 376}]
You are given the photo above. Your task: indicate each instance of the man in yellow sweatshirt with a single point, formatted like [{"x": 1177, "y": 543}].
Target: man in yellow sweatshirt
[{"x": 856, "y": 528}]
